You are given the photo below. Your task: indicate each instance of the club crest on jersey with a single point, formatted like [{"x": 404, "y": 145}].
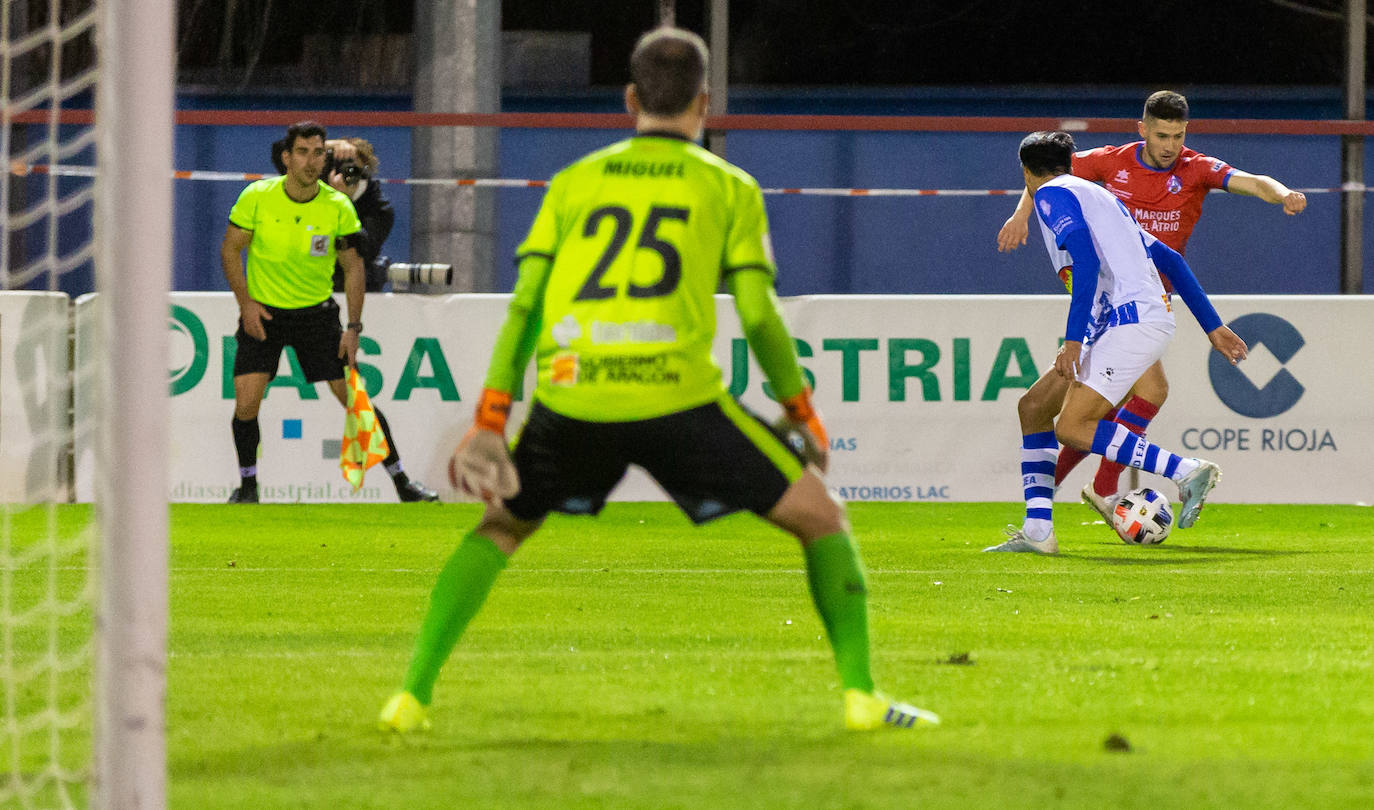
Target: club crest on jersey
[
  {"x": 1174, "y": 185},
  {"x": 1045, "y": 207}
]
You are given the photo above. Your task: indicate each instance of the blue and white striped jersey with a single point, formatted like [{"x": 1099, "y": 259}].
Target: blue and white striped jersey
[{"x": 1128, "y": 289}]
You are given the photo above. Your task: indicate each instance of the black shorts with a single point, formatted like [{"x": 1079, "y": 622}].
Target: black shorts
[
  {"x": 313, "y": 332},
  {"x": 712, "y": 460}
]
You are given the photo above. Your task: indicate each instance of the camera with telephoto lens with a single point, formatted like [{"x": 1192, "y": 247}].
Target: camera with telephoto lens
[
  {"x": 347, "y": 168},
  {"x": 408, "y": 277}
]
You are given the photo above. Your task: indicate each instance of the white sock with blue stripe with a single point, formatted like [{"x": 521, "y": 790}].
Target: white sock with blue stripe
[
  {"x": 1039, "y": 452},
  {"x": 1113, "y": 441}
]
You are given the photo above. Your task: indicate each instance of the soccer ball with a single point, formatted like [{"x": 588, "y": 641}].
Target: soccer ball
[{"x": 1142, "y": 517}]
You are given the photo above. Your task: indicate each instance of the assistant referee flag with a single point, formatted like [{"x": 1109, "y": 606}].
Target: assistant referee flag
[{"x": 364, "y": 445}]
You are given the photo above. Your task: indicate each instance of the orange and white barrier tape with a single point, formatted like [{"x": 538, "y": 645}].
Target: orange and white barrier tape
[{"x": 20, "y": 169}]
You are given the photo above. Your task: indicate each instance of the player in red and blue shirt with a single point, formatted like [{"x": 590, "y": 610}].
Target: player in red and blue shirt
[
  {"x": 1119, "y": 325},
  {"x": 1166, "y": 202},
  {"x": 1162, "y": 183}
]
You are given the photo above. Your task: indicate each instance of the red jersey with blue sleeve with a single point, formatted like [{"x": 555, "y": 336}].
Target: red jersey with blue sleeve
[{"x": 1166, "y": 202}]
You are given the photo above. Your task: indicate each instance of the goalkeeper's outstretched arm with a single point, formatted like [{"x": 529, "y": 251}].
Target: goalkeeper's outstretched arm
[{"x": 761, "y": 320}]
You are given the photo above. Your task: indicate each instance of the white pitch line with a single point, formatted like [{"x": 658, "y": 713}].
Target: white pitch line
[
  {"x": 620, "y": 652},
  {"x": 945, "y": 572}
]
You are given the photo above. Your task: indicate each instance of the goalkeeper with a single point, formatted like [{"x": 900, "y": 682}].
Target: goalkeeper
[{"x": 615, "y": 300}]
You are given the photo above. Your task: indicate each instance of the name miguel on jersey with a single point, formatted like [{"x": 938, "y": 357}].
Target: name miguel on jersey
[{"x": 635, "y": 168}]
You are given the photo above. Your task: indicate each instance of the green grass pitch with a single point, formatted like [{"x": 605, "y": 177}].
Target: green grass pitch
[{"x": 634, "y": 661}]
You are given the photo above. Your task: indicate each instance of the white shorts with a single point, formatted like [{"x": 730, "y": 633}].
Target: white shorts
[{"x": 1111, "y": 364}]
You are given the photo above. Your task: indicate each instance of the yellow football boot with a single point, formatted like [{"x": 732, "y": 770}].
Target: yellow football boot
[
  {"x": 866, "y": 711},
  {"x": 402, "y": 714}
]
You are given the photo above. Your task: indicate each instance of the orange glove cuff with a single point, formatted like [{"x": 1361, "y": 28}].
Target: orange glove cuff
[
  {"x": 799, "y": 409},
  {"x": 492, "y": 411}
]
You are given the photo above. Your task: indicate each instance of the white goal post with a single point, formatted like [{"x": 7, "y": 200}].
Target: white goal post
[{"x": 134, "y": 120}]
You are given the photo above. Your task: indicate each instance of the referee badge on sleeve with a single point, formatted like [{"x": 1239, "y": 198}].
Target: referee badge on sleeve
[{"x": 319, "y": 245}]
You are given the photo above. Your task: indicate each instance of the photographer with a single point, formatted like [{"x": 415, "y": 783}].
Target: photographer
[
  {"x": 284, "y": 237},
  {"x": 350, "y": 164},
  {"x": 350, "y": 168}
]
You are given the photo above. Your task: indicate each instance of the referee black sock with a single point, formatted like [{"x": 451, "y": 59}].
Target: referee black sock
[
  {"x": 392, "y": 457},
  {"x": 246, "y": 438}
]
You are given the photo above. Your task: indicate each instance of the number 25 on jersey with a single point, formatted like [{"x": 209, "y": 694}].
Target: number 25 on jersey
[{"x": 649, "y": 239}]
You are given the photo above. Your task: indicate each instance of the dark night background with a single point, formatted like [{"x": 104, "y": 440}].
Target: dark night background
[
  {"x": 1256, "y": 59},
  {"x": 859, "y": 42}
]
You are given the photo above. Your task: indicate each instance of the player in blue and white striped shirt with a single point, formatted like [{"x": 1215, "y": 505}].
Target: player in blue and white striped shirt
[{"x": 1119, "y": 324}]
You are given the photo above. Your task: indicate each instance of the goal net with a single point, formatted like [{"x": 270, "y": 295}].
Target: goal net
[{"x": 85, "y": 129}]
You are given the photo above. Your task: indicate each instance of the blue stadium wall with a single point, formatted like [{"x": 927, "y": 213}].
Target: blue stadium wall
[{"x": 855, "y": 245}]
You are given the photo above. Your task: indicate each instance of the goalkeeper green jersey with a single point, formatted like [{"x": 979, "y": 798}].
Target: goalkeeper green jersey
[
  {"x": 291, "y": 258},
  {"x": 640, "y": 235}
]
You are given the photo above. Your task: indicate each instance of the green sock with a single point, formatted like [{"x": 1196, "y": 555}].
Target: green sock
[
  {"x": 458, "y": 595},
  {"x": 837, "y": 587}
]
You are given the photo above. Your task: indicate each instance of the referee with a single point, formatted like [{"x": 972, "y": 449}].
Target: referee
[{"x": 293, "y": 227}]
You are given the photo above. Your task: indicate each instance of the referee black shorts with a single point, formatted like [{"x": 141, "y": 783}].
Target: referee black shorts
[
  {"x": 313, "y": 332},
  {"x": 712, "y": 460}
]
